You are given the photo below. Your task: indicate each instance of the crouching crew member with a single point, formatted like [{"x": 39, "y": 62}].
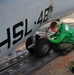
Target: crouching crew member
[{"x": 63, "y": 39}]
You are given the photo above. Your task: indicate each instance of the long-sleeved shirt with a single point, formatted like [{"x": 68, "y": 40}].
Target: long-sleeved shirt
[{"x": 65, "y": 34}]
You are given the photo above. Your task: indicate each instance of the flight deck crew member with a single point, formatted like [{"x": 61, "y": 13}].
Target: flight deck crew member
[{"x": 63, "y": 39}]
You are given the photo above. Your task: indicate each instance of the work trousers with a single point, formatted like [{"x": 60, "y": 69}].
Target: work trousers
[{"x": 62, "y": 47}]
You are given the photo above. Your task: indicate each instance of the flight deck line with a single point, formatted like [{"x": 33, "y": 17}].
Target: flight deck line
[
  {"x": 28, "y": 65},
  {"x": 14, "y": 61}
]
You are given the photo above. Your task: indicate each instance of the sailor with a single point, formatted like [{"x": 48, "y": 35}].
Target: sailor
[{"x": 62, "y": 40}]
